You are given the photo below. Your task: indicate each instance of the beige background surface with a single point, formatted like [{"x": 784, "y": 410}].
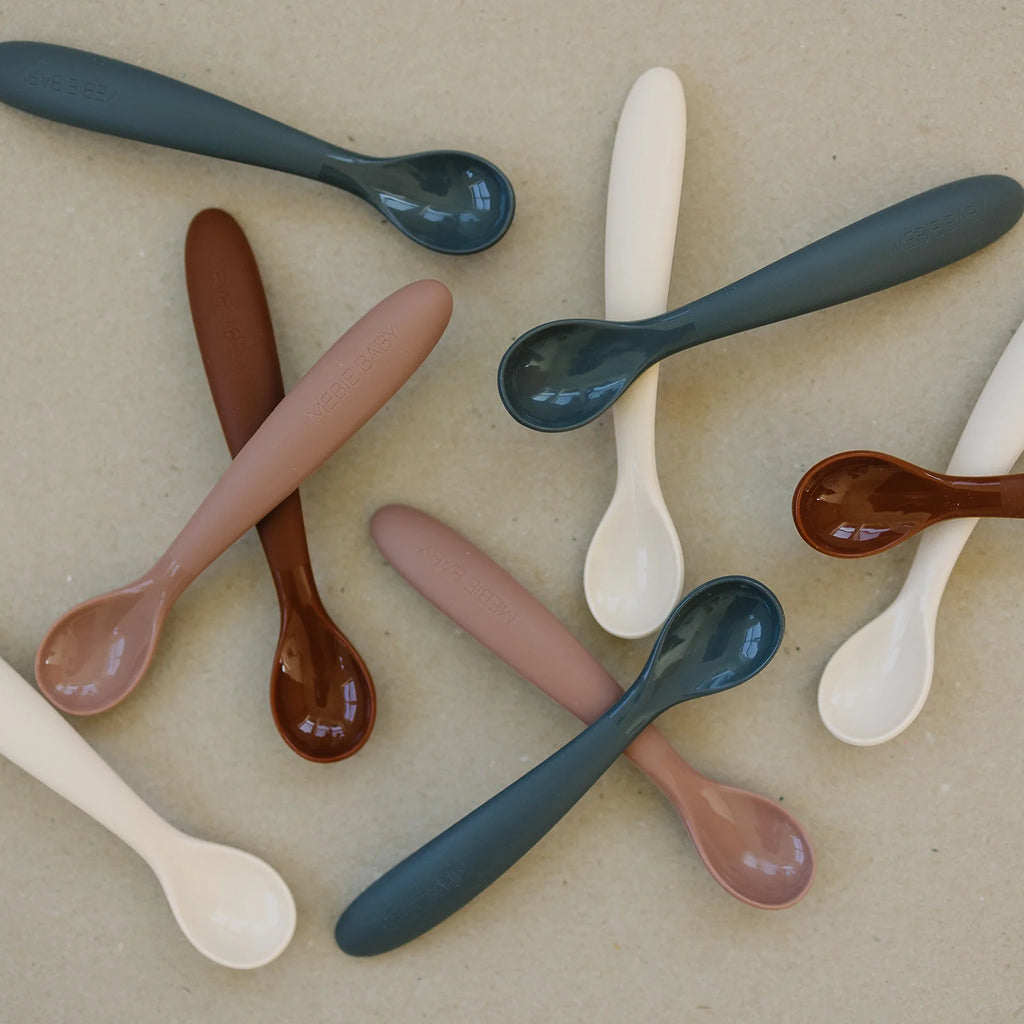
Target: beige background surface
[{"x": 802, "y": 117}]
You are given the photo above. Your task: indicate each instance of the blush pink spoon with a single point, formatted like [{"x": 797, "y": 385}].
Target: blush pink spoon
[
  {"x": 95, "y": 655},
  {"x": 321, "y": 693},
  {"x": 752, "y": 847}
]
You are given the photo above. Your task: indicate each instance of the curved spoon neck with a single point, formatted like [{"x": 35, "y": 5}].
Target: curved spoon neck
[
  {"x": 343, "y": 170},
  {"x": 171, "y": 574},
  {"x": 631, "y": 714},
  {"x": 295, "y": 586},
  {"x": 936, "y": 555},
  {"x": 634, "y": 416}
]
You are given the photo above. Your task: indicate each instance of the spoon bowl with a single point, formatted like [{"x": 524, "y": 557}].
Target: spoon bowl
[
  {"x": 449, "y": 201},
  {"x": 859, "y": 503},
  {"x": 321, "y": 693},
  {"x": 719, "y": 636},
  {"x": 92, "y": 656},
  {"x": 564, "y": 374},
  {"x": 229, "y": 904},
  {"x": 444, "y": 200}
]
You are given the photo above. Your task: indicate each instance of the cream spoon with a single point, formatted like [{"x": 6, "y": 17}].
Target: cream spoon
[
  {"x": 633, "y": 574},
  {"x": 233, "y": 907}
]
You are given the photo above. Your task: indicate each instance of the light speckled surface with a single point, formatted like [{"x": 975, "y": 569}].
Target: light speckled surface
[{"x": 802, "y": 117}]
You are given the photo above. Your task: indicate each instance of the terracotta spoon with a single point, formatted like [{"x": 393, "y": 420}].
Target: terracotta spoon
[
  {"x": 859, "y": 503},
  {"x": 321, "y": 693},
  {"x": 95, "y": 655},
  {"x": 752, "y": 847}
]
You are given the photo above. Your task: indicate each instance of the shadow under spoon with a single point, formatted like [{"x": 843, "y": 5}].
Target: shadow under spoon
[
  {"x": 563, "y": 374},
  {"x": 321, "y": 693},
  {"x": 446, "y": 200},
  {"x": 96, "y": 654},
  {"x": 753, "y": 848},
  {"x": 718, "y": 636}
]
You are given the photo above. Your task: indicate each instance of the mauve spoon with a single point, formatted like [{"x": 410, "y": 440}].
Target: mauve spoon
[
  {"x": 859, "y": 503},
  {"x": 321, "y": 693},
  {"x": 446, "y": 200},
  {"x": 95, "y": 655},
  {"x": 752, "y": 847}
]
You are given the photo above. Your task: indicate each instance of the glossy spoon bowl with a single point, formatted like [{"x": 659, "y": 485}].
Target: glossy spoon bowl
[
  {"x": 321, "y": 693},
  {"x": 877, "y": 682},
  {"x": 233, "y": 907},
  {"x": 448, "y": 201},
  {"x": 564, "y": 374},
  {"x": 719, "y": 636},
  {"x": 633, "y": 574},
  {"x": 752, "y": 847},
  {"x": 859, "y": 503},
  {"x": 96, "y": 654}
]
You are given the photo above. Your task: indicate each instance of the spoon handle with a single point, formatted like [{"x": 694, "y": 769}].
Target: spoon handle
[
  {"x": 41, "y": 742},
  {"x": 236, "y": 342},
  {"x": 901, "y": 242},
  {"x": 492, "y": 606},
  {"x": 449, "y": 871},
  {"x": 349, "y": 383},
  {"x": 86, "y": 90}
]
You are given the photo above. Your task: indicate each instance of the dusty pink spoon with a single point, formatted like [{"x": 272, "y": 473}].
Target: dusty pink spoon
[
  {"x": 95, "y": 655},
  {"x": 752, "y": 847}
]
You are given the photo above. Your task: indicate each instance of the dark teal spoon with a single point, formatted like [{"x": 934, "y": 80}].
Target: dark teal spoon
[
  {"x": 564, "y": 374},
  {"x": 446, "y": 200},
  {"x": 719, "y": 636}
]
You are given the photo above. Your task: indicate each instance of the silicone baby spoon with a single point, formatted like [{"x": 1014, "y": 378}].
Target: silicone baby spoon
[
  {"x": 859, "y": 503},
  {"x": 633, "y": 574},
  {"x": 321, "y": 693},
  {"x": 564, "y": 374},
  {"x": 752, "y": 847},
  {"x": 876, "y": 683},
  {"x": 718, "y": 636},
  {"x": 95, "y": 655},
  {"x": 448, "y": 201},
  {"x": 233, "y": 907}
]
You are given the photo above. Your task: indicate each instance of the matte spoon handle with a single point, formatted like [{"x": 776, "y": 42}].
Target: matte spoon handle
[
  {"x": 349, "y": 383},
  {"x": 236, "y": 341},
  {"x": 492, "y": 606},
  {"x": 109, "y": 96},
  {"x": 449, "y": 871},
  {"x": 41, "y": 742},
  {"x": 901, "y": 242}
]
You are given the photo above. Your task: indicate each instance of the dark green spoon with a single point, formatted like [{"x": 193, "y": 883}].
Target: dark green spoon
[
  {"x": 564, "y": 374},
  {"x": 446, "y": 200},
  {"x": 719, "y": 636}
]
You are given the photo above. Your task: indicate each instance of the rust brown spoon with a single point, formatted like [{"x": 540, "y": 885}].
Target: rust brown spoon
[
  {"x": 859, "y": 503},
  {"x": 321, "y": 693}
]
